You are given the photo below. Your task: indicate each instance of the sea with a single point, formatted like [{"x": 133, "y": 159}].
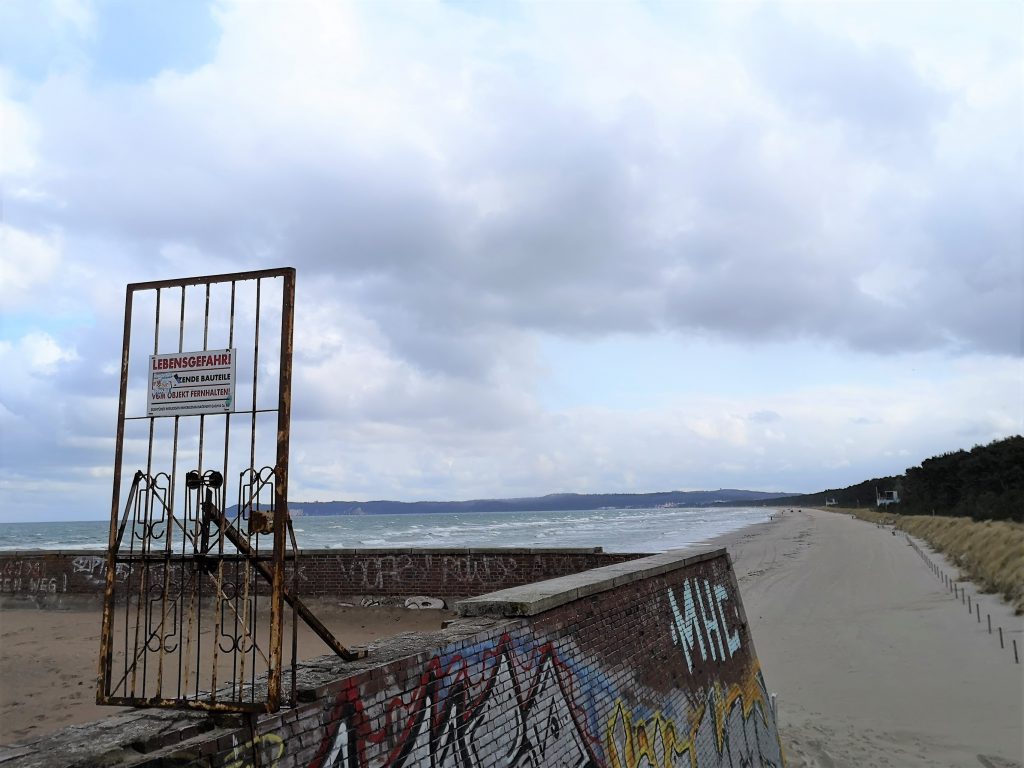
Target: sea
[{"x": 615, "y": 530}]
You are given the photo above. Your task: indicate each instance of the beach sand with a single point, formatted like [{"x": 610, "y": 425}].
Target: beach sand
[
  {"x": 873, "y": 661},
  {"x": 49, "y": 658}
]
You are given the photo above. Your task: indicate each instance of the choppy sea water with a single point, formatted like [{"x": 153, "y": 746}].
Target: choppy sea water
[{"x": 616, "y": 530}]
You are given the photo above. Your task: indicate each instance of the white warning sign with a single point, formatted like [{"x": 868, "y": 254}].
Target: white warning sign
[{"x": 191, "y": 383}]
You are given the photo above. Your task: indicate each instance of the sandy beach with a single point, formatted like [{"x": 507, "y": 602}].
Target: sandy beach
[
  {"x": 48, "y": 658},
  {"x": 873, "y": 661}
]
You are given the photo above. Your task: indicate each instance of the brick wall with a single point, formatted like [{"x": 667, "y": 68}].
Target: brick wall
[
  {"x": 444, "y": 573},
  {"x": 648, "y": 663}
]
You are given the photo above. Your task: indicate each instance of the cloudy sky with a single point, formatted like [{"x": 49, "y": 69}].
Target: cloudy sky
[{"x": 561, "y": 246}]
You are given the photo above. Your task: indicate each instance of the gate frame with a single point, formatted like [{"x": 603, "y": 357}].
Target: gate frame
[{"x": 281, "y": 517}]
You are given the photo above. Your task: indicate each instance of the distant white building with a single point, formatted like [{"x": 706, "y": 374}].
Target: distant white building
[
  {"x": 831, "y": 503},
  {"x": 885, "y": 498}
]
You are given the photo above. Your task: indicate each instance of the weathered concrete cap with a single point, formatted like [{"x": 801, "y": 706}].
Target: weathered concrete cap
[{"x": 531, "y": 599}]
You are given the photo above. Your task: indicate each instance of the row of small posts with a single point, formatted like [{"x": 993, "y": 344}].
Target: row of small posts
[{"x": 961, "y": 593}]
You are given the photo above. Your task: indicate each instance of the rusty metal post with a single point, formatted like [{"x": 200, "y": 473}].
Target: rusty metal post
[
  {"x": 103, "y": 673},
  {"x": 281, "y": 484}
]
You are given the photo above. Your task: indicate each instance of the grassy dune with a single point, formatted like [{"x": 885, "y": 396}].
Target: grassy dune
[{"x": 990, "y": 553}]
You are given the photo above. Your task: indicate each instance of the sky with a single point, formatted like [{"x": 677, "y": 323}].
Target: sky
[{"x": 542, "y": 247}]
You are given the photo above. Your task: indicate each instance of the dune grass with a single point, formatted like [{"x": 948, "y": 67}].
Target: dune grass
[{"x": 990, "y": 553}]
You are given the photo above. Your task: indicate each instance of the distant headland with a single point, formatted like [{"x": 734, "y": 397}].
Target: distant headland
[{"x": 555, "y": 502}]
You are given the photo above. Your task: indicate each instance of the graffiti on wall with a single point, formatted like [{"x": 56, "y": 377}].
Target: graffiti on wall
[
  {"x": 735, "y": 721},
  {"x": 381, "y": 573},
  {"x": 483, "y": 570},
  {"x": 95, "y": 568},
  {"x": 703, "y": 622},
  {"x": 501, "y": 706},
  {"x": 30, "y": 576},
  {"x": 375, "y": 573},
  {"x": 503, "y": 710}
]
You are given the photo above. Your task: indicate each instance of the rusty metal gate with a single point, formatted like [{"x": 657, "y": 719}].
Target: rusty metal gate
[{"x": 201, "y": 551}]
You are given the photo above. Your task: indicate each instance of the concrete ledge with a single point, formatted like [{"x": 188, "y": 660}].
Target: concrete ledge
[
  {"x": 13, "y": 553},
  {"x": 531, "y": 599},
  {"x": 454, "y": 551}
]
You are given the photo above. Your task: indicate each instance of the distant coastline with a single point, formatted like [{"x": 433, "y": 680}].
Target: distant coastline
[{"x": 555, "y": 502}]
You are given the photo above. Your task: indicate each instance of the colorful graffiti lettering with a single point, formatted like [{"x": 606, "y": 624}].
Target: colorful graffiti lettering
[
  {"x": 508, "y": 712},
  {"x": 738, "y": 728}
]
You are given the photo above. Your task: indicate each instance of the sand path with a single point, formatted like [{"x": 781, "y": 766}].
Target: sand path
[{"x": 873, "y": 661}]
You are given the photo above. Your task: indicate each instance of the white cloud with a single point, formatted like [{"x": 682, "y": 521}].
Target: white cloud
[
  {"x": 17, "y": 134},
  {"x": 33, "y": 355},
  {"x": 456, "y": 185},
  {"x": 27, "y": 263}
]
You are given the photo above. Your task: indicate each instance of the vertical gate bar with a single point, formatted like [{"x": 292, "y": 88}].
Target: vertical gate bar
[
  {"x": 217, "y": 605},
  {"x": 132, "y": 657},
  {"x": 165, "y": 596},
  {"x": 295, "y": 618},
  {"x": 206, "y": 320},
  {"x": 256, "y": 595},
  {"x": 284, "y": 401},
  {"x": 163, "y": 629},
  {"x": 206, "y": 335},
  {"x": 227, "y": 416},
  {"x": 142, "y": 605},
  {"x": 169, "y": 512},
  {"x": 255, "y": 370},
  {"x": 199, "y": 605},
  {"x": 254, "y": 477},
  {"x": 202, "y": 417},
  {"x": 241, "y": 657},
  {"x": 234, "y": 405},
  {"x": 177, "y": 419},
  {"x": 103, "y": 674},
  {"x": 186, "y": 655},
  {"x": 152, "y": 419},
  {"x": 138, "y": 618},
  {"x": 256, "y": 600},
  {"x": 184, "y": 636}
]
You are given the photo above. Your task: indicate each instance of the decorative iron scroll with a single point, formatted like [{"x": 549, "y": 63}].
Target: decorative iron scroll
[{"x": 193, "y": 613}]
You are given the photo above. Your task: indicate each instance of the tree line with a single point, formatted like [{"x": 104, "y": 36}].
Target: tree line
[{"x": 985, "y": 483}]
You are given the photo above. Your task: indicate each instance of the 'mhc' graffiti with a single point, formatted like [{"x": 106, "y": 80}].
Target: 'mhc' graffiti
[
  {"x": 703, "y": 621},
  {"x": 466, "y": 715}
]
